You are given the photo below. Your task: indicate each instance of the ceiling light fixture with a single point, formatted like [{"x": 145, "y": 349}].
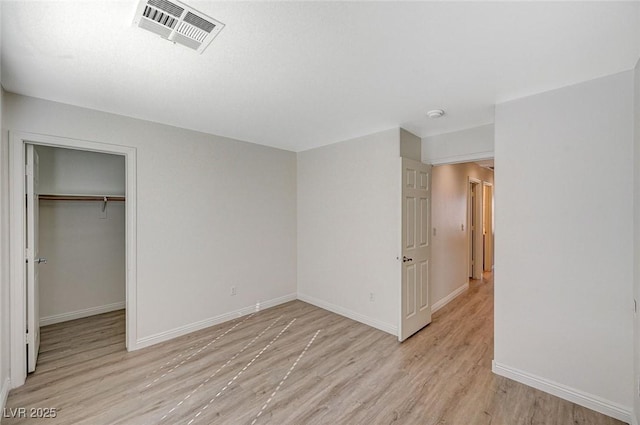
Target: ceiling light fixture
[{"x": 435, "y": 113}]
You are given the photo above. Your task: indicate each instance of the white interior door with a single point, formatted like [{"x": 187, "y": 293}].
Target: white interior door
[
  {"x": 416, "y": 247},
  {"x": 33, "y": 259}
]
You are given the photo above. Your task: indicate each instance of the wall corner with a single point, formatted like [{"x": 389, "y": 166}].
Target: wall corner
[{"x": 410, "y": 145}]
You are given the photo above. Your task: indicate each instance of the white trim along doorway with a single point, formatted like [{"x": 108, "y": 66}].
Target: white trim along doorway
[
  {"x": 17, "y": 238},
  {"x": 474, "y": 227}
]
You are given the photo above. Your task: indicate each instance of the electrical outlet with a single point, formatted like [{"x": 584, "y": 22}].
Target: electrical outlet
[
  {"x": 372, "y": 296},
  {"x": 233, "y": 291}
]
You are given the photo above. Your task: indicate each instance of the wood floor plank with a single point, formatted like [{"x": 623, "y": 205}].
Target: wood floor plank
[{"x": 269, "y": 369}]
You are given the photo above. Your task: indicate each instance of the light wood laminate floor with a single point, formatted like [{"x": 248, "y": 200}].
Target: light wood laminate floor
[{"x": 292, "y": 364}]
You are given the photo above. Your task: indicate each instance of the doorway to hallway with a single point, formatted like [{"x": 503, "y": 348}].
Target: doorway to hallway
[{"x": 462, "y": 227}]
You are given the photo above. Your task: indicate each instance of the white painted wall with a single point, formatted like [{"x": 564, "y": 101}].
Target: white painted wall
[
  {"x": 85, "y": 272},
  {"x": 410, "y": 145},
  {"x": 564, "y": 265},
  {"x": 636, "y": 259},
  {"x": 212, "y": 212},
  {"x": 459, "y": 146},
  {"x": 5, "y": 335},
  {"x": 75, "y": 172},
  {"x": 349, "y": 216},
  {"x": 450, "y": 249}
]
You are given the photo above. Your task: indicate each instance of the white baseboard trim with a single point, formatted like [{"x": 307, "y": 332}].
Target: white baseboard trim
[
  {"x": 374, "y": 323},
  {"x": 4, "y": 393},
  {"x": 79, "y": 314},
  {"x": 212, "y": 321},
  {"x": 446, "y": 300},
  {"x": 589, "y": 401}
]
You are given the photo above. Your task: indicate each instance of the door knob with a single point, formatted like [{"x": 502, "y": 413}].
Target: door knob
[
  {"x": 40, "y": 260},
  {"x": 405, "y": 259}
]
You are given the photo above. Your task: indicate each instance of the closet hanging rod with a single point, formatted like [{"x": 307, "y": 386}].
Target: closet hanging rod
[{"x": 46, "y": 197}]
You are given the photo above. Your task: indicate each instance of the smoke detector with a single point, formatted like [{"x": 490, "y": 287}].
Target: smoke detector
[
  {"x": 178, "y": 23},
  {"x": 436, "y": 113}
]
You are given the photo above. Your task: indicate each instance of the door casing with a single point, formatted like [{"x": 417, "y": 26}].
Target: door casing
[
  {"x": 487, "y": 199},
  {"x": 17, "y": 239},
  {"x": 474, "y": 235}
]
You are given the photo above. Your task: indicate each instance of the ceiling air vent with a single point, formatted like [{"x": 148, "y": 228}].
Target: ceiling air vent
[{"x": 178, "y": 23}]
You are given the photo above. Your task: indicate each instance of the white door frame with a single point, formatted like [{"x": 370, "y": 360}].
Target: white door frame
[
  {"x": 477, "y": 207},
  {"x": 485, "y": 185},
  {"x": 17, "y": 238}
]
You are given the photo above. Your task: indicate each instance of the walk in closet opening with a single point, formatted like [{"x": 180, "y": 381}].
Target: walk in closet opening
[{"x": 81, "y": 249}]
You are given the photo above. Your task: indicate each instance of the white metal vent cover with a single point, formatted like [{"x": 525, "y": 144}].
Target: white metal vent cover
[{"x": 178, "y": 23}]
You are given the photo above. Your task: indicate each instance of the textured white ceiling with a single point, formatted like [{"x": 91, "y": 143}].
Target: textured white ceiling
[{"x": 298, "y": 75}]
